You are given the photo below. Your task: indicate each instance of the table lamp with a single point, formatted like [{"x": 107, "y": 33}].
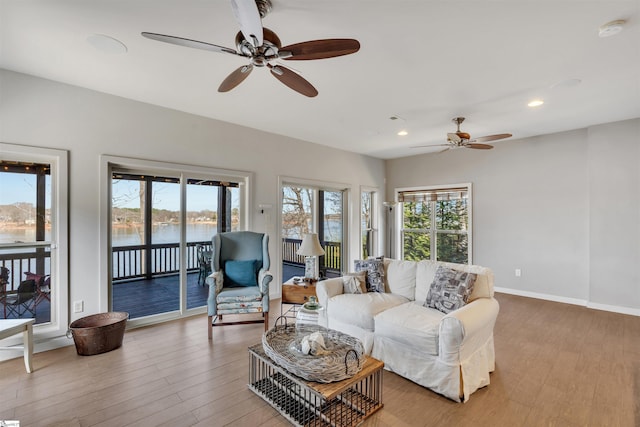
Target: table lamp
[{"x": 310, "y": 248}]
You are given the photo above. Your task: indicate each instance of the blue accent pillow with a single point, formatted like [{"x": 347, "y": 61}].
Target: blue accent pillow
[{"x": 241, "y": 273}]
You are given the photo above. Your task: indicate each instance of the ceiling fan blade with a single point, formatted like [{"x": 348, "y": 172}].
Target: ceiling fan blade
[
  {"x": 235, "y": 78},
  {"x": 491, "y": 137},
  {"x": 248, "y": 17},
  {"x": 478, "y": 146},
  {"x": 189, "y": 43},
  {"x": 319, "y": 49},
  {"x": 294, "y": 80}
]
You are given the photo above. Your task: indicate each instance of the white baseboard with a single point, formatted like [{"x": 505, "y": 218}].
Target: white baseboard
[{"x": 572, "y": 301}]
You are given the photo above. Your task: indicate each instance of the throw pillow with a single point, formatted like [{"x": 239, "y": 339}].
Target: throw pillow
[
  {"x": 241, "y": 273},
  {"x": 375, "y": 273},
  {"x": 355, "y": 283},
  {"x": 450, "y": 289}
]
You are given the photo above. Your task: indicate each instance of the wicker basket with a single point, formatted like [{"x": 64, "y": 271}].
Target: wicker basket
[{"x": 343, "y": 360}]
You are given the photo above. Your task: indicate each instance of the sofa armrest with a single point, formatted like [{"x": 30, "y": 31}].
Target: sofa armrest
[
  {"x": 466, "y": 329},
  {"x": 325, "y": 289}
]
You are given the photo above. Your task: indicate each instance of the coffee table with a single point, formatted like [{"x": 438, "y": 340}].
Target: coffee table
[{"x": 305, "y": 403}]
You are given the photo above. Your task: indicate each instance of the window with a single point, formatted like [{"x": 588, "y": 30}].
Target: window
[
  {"x": 33, "y": 237},
  {"x": 436, "y": 223}
]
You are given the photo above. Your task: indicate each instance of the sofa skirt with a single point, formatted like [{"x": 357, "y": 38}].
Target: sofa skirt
[{"x": 455, "y": 381}]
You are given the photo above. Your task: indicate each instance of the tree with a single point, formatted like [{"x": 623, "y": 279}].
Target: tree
[{"x": 296, "y": 211}]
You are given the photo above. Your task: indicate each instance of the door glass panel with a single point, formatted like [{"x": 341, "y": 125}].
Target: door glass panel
[
  {"x": 202, "y": 224},
  {"x": 25, "y": 235},
  {"x": 145, "y": 234},
  {"x": 366, "y": 224},
  {"x": 331, "y": 239},
  {"x": 297, "y": 218},
  {"x": 308, "y": 210}
]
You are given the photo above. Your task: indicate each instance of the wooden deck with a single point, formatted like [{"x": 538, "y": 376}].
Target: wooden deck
[{"x": 142, "y": 297}]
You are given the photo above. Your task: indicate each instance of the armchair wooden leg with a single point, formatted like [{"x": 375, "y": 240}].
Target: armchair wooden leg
[
  {"x": 210, "y": 327},
  {"x": 266, "y": 321}
]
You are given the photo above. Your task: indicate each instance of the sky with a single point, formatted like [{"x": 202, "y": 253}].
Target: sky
[{"x": 20, "y": 187}]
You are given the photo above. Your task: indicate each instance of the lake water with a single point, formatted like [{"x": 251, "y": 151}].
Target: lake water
[{"x": 165, "y": 233}]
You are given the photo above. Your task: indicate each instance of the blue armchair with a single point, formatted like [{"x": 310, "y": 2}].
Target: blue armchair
[{"x": 239, "y": 282}]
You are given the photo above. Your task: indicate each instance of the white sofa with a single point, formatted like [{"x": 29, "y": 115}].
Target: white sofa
[{"x": 452, "y": 354}]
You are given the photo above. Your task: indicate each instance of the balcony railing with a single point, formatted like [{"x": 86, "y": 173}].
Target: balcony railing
[
  {"x": 330, "y": 261},
  {"x": 35, "y": 260},
  {"x": 129, "y": 262}
]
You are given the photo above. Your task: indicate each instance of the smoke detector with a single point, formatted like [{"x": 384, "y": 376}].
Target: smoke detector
[{"x": 611, "y": 28}]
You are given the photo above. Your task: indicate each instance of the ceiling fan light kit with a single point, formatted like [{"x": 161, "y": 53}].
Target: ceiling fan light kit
[
  {"x": 611, "y": 28},
  {"x": 262, "y": 46}
]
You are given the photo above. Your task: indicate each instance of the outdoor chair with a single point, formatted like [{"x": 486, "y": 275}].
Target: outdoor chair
[
  {"x": 23, "y": 301},
  {"x": 204, "y": 263},
  {"x": 239, "y": 282}
]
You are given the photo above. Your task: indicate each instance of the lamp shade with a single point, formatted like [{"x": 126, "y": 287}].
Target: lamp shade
[{"x": 310, "y": 245}]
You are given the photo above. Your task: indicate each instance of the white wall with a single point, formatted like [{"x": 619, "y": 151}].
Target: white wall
[
  {"x": 43, "y": 113},
  {"x": 564, "y": 208}
]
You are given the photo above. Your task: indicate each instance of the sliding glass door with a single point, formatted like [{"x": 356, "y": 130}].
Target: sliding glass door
[{"x": 161, "y": 249}]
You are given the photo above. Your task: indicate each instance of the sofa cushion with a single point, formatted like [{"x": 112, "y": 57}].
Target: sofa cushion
[
  {"x": 355, "y": 283},
  {"x": 450, "y": 289},
  {"x": 375, "y": 273},
  {"x": 359, "y": 309},
  {"x": 412, "y": 325},
  {"x": 401, "y": 278}
]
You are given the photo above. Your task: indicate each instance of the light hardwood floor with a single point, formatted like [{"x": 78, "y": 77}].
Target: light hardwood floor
[{"x": 557, "y": 365}]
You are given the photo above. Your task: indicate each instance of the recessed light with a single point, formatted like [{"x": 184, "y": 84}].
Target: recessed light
[
  {"x": 535, "y": 103},
  {"x": 403, "y": 133},
  {"x": 611, "y": 28},
  {"x": 107, "y": 44}
]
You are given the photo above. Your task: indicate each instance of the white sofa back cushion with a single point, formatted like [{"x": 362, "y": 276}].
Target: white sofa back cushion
[{"x": 400, "y": 278}]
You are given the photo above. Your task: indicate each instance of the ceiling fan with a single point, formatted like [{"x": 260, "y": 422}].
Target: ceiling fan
[
  {"x": 463, "y": 139},
  {"x": 262, "y": 46}
]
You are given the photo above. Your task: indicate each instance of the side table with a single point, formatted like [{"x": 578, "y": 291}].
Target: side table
[
  {"x": 296, "y": 295},
  {"x": 9, "y": 327}
]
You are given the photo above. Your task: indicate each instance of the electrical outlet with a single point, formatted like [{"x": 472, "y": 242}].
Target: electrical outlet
[
  {"x": 78, "y": 306},
  {"x": 518, "y": 272}
]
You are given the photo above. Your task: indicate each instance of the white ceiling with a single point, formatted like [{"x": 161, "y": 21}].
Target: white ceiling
[{"x": 424, "y": 61}]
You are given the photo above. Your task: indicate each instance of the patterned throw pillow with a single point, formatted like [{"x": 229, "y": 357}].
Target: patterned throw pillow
[
  {"x": 450, "y": 289},
  {"x": 355, "y": 283},
  {"x": 375, "y": 273}
]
